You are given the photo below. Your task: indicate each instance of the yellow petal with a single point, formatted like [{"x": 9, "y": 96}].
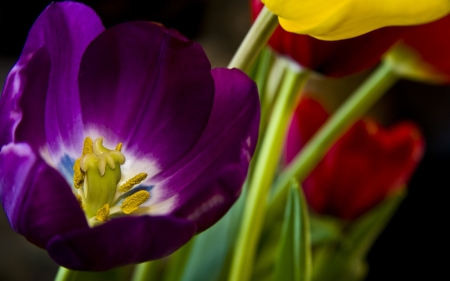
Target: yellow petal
[{"x": 341, "y": 19}]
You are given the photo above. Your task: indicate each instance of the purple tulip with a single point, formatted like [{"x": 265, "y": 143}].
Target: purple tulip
[{"x": 186, "y": 136}]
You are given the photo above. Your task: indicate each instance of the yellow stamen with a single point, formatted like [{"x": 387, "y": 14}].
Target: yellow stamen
[
  {"x": 119, "y": 146},
  {"x": 80, "y": 200},
  {"x": 87, "y": 146},
  {"x": 132, "y": 182},
  {"x": 131, "y": 203},
  {"x": 78, "y": 175},
  {"x": 103, "y": 213}
]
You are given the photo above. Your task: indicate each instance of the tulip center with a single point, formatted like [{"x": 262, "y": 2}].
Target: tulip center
[{"x": 97, "y": 174}]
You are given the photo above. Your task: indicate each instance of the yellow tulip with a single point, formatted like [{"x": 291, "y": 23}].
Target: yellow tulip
[{"x": 341, "y": 19}]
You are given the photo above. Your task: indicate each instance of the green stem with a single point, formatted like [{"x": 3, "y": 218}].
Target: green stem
[
  {"x": 177, "y": 262},
  {"x": 255, "y": 40},
  {"x": 65, "y": 274},
  {"x": 363, "y": 98},
  {"x": 263, "y": 174},
  {"x": 264, "y": 66},
  {"x": 272, "y": 86},
  {"x": 146, "y": 271},
  {"x": 266, "y": 60}
]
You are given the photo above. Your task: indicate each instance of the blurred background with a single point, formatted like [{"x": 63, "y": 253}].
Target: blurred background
[{"x": 415, "y": 242}]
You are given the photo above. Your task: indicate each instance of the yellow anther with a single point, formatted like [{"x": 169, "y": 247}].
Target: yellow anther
[
  {"x": 87, "y": 146},
  {"x": 103, "y": 213},
  {"x": 137, "y": 179},
  {"x": 80, "y": 200},
  {"x": 119, "y": 146},
  {"x": 131, "y": 203},
  {"x": 78, "y": 174}
]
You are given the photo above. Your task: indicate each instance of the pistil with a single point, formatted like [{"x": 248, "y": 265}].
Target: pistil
[{"x": 96, "y": 176}]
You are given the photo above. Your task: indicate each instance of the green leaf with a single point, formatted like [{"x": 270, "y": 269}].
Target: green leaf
[
  {"x": 365, "y": 230},
  {"x": 210, "y": 249},
  {"x": 325, "y": 229},
  {"x": 116, "y": 274},
  {"x": 177, "y": 263},
  {"x": 293, "y": 260},
  {"x": 347, "y": 263},
  {"x": 149, "y": 271},
  {"x": 267, "y": 250}
]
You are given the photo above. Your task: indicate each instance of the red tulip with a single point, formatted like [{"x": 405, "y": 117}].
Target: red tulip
[
  {"x": 333, "y": 58},
  {"x": 361, "y": 168}
]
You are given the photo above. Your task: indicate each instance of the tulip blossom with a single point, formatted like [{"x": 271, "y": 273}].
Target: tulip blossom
[
  {"x": 336, "y": 20},
  {"x": 424, "y": 53},
  {"x": 333, "y": 58},
  {"x": 119, "y": 145},
  {"x": 361, "y": 168}
]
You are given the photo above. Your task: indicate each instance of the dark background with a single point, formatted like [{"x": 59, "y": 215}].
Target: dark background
[{"x": 415, "y": 242}]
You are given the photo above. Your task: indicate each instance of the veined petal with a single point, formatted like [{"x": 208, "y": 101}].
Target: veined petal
[
  {"x": 22, "y": 104},
  {"x": 37, "y": 200},
  {"x": 336, "y": 20},
  {"x": 209, "y": 179},
  {"x": 65, "y": 30},
  {"x": 148, "y": 87},
  {"x": 120, "y": 242},
  {"x": 206, "y": 199}
]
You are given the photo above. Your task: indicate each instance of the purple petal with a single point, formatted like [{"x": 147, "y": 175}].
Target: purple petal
[
  {"x": 22, "y": 106},
  {"x": 120, "y": 242},
  {"x": 147, "y": 87},
  {"x": 37, "y": 200},
  {"x": 212, "y": 193},
  {"x": 209, "y": 179},
  {"x": 65, "y": 30}
]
